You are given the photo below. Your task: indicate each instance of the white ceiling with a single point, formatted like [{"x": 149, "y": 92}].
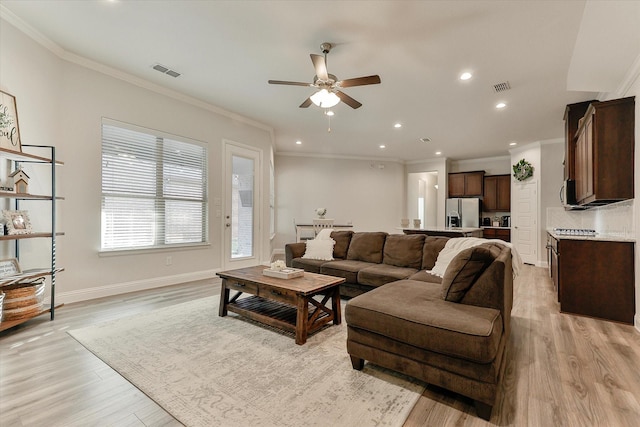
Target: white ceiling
[{"x": 227, "y": 50}]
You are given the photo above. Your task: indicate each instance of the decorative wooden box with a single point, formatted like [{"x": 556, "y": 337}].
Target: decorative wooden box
[{"x": 286, "y": 273}]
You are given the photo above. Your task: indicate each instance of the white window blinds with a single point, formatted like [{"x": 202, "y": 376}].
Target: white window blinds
[{"x": 154, "y": 189}]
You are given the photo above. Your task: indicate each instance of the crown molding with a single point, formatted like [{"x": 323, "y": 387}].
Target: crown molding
[
  {"x": 481, "y": 160},
  {"x": 630, "y": 78},
  {"x": 67, "y": 56},
  {"x": 337, "y": 156}
]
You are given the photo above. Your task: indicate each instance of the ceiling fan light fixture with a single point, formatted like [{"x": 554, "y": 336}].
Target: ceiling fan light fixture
[{"x": 325, "y": 99}]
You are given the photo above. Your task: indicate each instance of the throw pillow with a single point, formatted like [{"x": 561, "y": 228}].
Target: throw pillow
[
  {"x": 342, "y": 238},
  {"x": 452, "y": 248},
  {"x": 367, "y": 246},
  {"x": 403, "y": 250},
  {"x": 319, "y": 249},
  {"x": 324, "y": 234},
  {"x": 463, "y": 271}
]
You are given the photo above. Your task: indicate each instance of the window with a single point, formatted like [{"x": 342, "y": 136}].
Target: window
[{"x": 154, "y": 189}]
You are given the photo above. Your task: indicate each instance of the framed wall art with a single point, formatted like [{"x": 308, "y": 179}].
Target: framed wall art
[
  {"x": 9, "y": 129},
  {"x": 17, "y": 222},
  {"x": 9, "y": 267}
]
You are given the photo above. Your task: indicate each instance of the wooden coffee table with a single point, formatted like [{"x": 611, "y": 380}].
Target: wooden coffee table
[{"x": 287, "y": 304}]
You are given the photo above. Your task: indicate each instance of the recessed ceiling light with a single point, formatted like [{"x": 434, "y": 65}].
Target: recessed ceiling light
[
  {"x": 465, "y": 76},
  {"x": 397, "y": 125},
  {"x": 438, "y": 153},
  {"x": 383, "y": 146},
  {"x": 299, "y": 142},
  {"x": 329, "y": 113},
  {"x": 513, "y": 143},
  {"x": 500, "y": 105}
]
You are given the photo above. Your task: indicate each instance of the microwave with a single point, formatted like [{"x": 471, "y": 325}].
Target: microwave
[{"x": 568, "y": 195}]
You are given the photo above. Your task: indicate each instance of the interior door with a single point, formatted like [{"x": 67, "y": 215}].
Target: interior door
[
  {"x": 524, "y": 233},
  {"x": 242, "y": 237}
]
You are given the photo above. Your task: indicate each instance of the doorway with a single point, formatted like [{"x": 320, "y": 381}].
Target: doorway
[
  {"x": 242, "y": 238},
  {"x": 524, "y": 221},
  {"x": 422, "y": 198}
]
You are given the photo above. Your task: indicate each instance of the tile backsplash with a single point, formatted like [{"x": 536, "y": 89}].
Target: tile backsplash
[{"x": 614, "y": 219}]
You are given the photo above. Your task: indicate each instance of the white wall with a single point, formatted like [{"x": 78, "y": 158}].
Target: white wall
[
  {"x": 490, "y": 165},
  {"x": 62, "y": 103},
  {"x": 368, "y": 193}
]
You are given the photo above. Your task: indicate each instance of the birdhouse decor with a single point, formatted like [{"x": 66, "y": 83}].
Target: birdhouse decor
[{"x": 20, "y": 181}]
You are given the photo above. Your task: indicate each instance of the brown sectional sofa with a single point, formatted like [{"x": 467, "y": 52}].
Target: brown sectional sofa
[
  {"x": 450, "y": 331},
  {"x": 368, "y": 260}
]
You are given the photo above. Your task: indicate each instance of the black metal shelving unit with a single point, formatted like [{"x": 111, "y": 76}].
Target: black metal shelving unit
[{"x": 15, "y": 281}]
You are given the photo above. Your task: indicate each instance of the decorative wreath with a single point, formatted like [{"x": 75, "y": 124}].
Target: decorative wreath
[{"x": 522, "y": 170}]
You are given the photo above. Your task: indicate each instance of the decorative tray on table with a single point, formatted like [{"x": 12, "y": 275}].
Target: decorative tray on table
[{"x": 285, "y": 273}]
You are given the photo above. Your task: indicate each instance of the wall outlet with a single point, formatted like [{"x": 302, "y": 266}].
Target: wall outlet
[{"x": 168, "y": 260}]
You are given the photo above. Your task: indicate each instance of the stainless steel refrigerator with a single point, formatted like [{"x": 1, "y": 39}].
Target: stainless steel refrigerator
[{"x": 463, "y": 212}]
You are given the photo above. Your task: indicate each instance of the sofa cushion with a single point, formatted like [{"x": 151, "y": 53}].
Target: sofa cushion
[
  {"x": 465, "y": 268},
  {"x": 412, "y": 312},
  {"x": 367, "y": 246},
  {"x": 307, "y": 264},
  {"x": 432, "y": 247},
  {"x": 423, "y": 276},
  {"x": 342, "y": 239},
  {"x": 348, "y": 269},
  {"x": 380, "y": 274},
  {"x": 319, "y": 249},
  {"x": 403, "y": 250}
]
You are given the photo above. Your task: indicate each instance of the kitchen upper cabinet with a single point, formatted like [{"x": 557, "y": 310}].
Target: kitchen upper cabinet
[
  {"x": 604, "y": 153},
  {"x": 572, "y": 115},
  {"x": 497, "y": 193},
  {"x": 466, "y": 184}
]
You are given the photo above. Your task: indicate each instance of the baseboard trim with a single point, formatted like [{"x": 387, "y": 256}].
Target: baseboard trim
[
  {"x": 637, "y": 321},
  {"x": 136, "y": 285}
]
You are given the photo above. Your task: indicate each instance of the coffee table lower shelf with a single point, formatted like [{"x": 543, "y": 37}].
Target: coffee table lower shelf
[{"x": 276, "y": 314}]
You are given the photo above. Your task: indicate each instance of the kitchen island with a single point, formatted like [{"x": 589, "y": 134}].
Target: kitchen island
[{"x": 446, "y": 231}]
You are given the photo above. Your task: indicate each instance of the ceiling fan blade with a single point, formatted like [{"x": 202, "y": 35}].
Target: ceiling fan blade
[
  {"x": 283, "y": 82},
  {"x": 348, "y": 100},
  {"x": 306, "y": 103},
  {"x": 320, "y": 65},
  {"x": 359, "y": 81}
]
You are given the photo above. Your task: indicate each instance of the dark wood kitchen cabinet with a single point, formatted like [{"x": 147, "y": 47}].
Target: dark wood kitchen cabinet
[
  {"x": 497, "y": 233},
  {"x": 466, "y": 184},
  {"x": 594, "y": 278},
  {"x": 604, "y": 153},
  {"x": 572, "y": 115},
  {"x": 497, "y": 193}
]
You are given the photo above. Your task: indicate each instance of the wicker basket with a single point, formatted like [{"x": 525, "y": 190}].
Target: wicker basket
[{"x": 24, "y": 302}]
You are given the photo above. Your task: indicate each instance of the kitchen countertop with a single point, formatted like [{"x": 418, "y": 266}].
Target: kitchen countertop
[
  {"x": 497, "y": 227},
  {"x": 605, "y": 237},
  {"x": 445, "y": 229}
]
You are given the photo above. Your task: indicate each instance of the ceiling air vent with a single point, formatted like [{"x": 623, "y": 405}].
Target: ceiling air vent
[
  {"x": 501, "y": 87},
  {"x": 165, "y": 70},
  {"x": 425, "y": 139}
]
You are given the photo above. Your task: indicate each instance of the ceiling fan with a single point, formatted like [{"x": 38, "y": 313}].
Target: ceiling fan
[{"x": 328, "y": 85}]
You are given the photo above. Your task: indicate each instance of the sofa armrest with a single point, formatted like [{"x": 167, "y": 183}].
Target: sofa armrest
[{"x": 293, "y": 250}]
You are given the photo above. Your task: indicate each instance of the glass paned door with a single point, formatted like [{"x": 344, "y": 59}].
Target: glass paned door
[
  {"x": 241, "y": 208},
  {"x": 242, "y": 179}
]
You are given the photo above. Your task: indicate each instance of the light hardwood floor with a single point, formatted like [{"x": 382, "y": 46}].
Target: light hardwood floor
[{"x": 563, "y": 370}]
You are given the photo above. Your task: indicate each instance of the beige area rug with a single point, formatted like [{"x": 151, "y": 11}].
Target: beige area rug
[{"x": 207, "y": 370}]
